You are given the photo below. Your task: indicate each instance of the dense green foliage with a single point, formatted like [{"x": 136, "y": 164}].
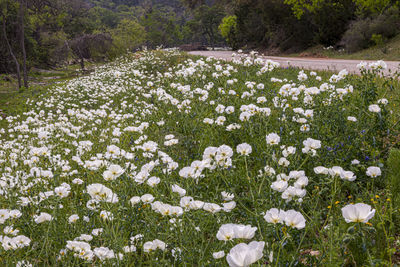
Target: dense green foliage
[
  {"x": 228, "y": 29},
  {"x": 51, "y": 26},
  {"x": 292, "y": 25}
]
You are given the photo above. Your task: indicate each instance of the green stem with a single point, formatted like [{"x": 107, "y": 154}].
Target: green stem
[{"x": 248, "y": 178}]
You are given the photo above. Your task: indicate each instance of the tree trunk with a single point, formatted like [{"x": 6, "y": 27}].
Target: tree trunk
[
  {"x": 82, "y": 61},
  {"x": 22, "y": 39},
  {"x": 11, "y": 52}
]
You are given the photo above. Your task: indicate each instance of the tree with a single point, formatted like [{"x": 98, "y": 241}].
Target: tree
[
  {"x": 376, "y": 6},
  {"x": 87, "y": 45},
  {"x": 22, "y": 7},
  {"x": 127, "y": 36},
  {"x": 9, "y": 47},
  {"x": 206, "y": 21},
  {"x": 162, "y": 27},
  {"x": 228, "y": 30},
  {"x": 299, "y": 7}
]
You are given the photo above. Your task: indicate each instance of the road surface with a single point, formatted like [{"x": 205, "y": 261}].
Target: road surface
[{"x": 334, "y": 65}]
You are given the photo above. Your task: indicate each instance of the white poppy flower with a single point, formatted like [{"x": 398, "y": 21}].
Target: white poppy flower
[
  {"x": 359, "y": 212},
  {"x": 243, "y": 255}
]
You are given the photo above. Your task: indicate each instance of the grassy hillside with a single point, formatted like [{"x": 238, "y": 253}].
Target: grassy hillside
[{"x": 160, "y": 159}]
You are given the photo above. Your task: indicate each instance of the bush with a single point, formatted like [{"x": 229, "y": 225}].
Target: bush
[
  {"x": 128, "y": 35},
  {"x": 228, "y": 30},
  {"x": 362, "y": 33},
  {"x": 53, "y": 47}
]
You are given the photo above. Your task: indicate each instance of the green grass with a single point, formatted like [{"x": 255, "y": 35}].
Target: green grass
[{"x": 39, "y": 81}]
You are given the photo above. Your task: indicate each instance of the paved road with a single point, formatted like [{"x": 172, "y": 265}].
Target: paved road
[{"x": 335, "y": 65}]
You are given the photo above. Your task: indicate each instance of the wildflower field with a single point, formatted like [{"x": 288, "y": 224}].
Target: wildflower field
[{"x": 160, "y": 159}]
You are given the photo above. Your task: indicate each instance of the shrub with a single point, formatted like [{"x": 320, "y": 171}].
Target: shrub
[
  {"x": 362, "y": 33},
  {"x": 128, "y": 35},
  {"x": 228, "y": 30}
]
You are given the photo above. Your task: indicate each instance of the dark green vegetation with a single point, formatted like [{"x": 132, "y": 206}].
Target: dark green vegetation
[{"x": 51, "y": 34}]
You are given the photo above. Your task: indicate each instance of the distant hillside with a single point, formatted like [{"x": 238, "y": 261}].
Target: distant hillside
[{"x": 113, "y": 4}]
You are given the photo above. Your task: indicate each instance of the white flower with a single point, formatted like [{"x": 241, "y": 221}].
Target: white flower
[
  {"x": 230, "y": 231},
  {"x": 42, "y": 217},
  {"x": 149, "y": 146},
  {"x": 243, "y": 255},
  {"x": 24, "y": 264},
  {"x": 4, "y": 215},
  {"x": 224, "y": 152},
  {"x": 73, "y": 218},
  {"x": 196, "y": 204},
  {"x": 289, "y": 193},
  {"x": 100, "y": 192},
  {"x": 106, "y": 215},
  {"x": 279, "y": 186},
  {"x": 212, "y": 207},
  {"x": 373, "y": 171},
  {"x": 134, "y": 200},
  {"x": 244, "y": 231},
  {"x": 310, "y": 143},
  {"x": 62, "y": 191},
  {"x": 347, "y": 175},
  {"x": 103, "y": 253},
  {"x": 113, "y": 172},
  {"x": 350, "y": 118},
  {"x": 244, "y": 149},
  {"x": 153, "y": 245},
  {"x": 374, "y": 108},
  {"x": 147, "y": 198},
  {"x": 185, "y": 202},
  {"x": 228, "y": 206},
  {"x": 220, "y": 108},
  {"x": 273, "y": 139},
  {"x": 129, "y": 249},
  {"x": 208, "y": 121},
  {"x": 226, "y": 232},
  {"x": 97, "y": 231},
  {"x": 153, "y": 181},
  {"x": 335, "y": 171},
  {"x": 20, "y": 241},
  {"x": 84, "y": 237},
  {"x": 343, "y": 73},
  {"x": 274, "y": 216},
  {"x": 321, "y": 170},
  {"x": 177, "y": 189},
  {"x": 77, "y": 181},
  {"x": 227, "y": 196},
  {"x": 362, "y": 65},
  {"x": 383, "y": 101},
  {"x": 9, "y": 230},
  {"x": 359, "y": 212},
  {"x": 219, "y": 254},
  {"x": 283, "y": 162},
  {"x": 295, "y": 219},
  {"x": 116, "y": 170},
  {"x": 301, "y": 182}
]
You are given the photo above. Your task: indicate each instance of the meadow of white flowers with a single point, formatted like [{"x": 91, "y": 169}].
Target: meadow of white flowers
[{"x": 159, "y": 159}]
